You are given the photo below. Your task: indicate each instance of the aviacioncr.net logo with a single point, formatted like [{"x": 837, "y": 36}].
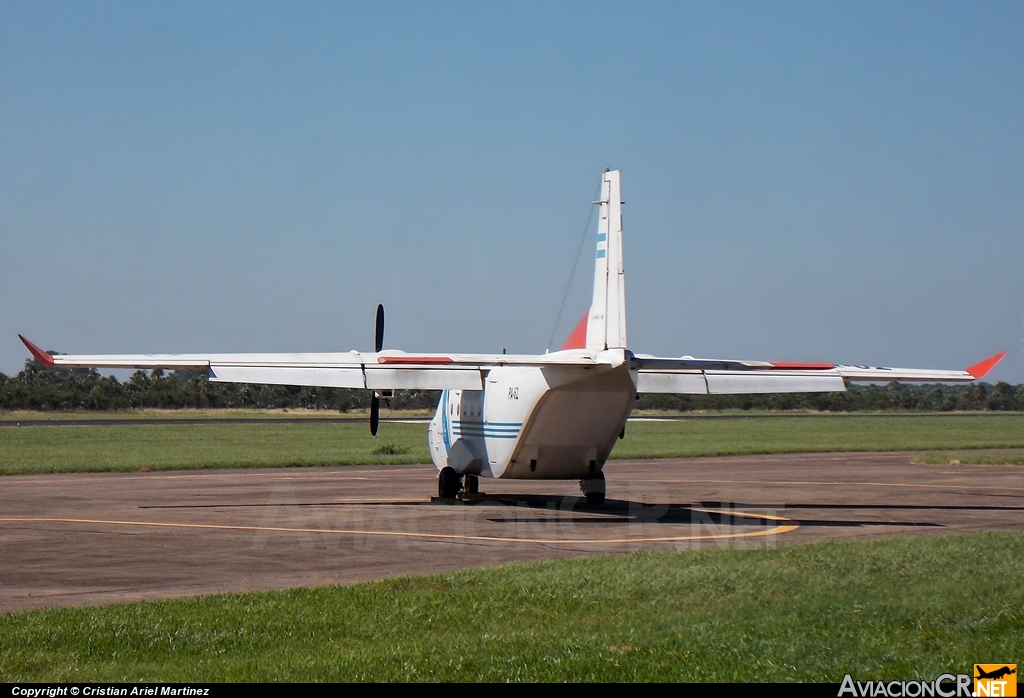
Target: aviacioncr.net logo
[
  {"x": 945, "y": 686},
  {"x": 995, "y": 680}
]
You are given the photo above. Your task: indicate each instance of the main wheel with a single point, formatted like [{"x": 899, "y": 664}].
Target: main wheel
[
  {"x": 472, "y": 484},
  {"x": 593, "y": 489},
  {"x": 448, "y": 483}
]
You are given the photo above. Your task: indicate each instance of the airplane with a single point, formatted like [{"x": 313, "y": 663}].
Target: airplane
[
  {"x": 995, "y": 673},
  {"x": 555, "y": 415}
]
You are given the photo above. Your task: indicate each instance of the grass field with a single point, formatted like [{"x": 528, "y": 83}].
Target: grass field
[
  {"x": 898, "y": 608},
  {"x": 212, "y": 415},
  {"x": 314, "y": 442},
  {"x": 820, "y": 433}
]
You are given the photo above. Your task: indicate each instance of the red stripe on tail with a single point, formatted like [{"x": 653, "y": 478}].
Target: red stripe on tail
[{"x": 578, "y": 338}]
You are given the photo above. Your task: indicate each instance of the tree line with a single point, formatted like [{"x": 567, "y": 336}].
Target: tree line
[
  {"x": 44, "y": 388},
  {"x": 858, "y": 398}
]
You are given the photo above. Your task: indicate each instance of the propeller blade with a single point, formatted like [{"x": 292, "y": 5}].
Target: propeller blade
[
  {"x": 378, "y": 337},
  {"x": 378, "y": 344}
]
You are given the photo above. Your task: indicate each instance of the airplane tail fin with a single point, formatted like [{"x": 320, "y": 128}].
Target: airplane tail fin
[{"x": 606, "y": 323}]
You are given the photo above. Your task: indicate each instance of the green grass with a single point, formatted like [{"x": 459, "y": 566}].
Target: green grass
[
  {"x": 186, "y": 446},
  {"x": 978, "y": 457},
  {"x": 389, "y": 449},
  {"x": 819, "y": 434},
  {"x": 199, "y": 414},
  {"x": 314, "y": 443},
  {"x": 908, "y": 607}
]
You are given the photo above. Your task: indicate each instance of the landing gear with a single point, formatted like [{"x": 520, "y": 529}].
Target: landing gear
[
  {"x": 451, "y": 485},
  {"x": 448, "y": 483},
  {"x": 593, "y": 489}
]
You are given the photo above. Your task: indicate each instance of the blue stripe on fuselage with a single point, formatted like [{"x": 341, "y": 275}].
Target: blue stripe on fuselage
[
  {"x": 488, "y": 430},
  {"x": 444, "y": 422}
]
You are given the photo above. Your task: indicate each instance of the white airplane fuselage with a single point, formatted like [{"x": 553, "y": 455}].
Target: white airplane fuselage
[{"x": 550, "y": 422}]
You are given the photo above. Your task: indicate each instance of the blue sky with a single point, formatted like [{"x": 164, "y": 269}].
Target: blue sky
[{"x": 803, "y": 181}]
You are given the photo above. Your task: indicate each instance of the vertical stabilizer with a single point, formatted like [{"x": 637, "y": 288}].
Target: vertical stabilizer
[{"x": 606, "y": 324}]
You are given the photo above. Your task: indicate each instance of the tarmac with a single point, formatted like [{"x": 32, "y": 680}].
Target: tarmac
[{"x": 100, "y": 538}]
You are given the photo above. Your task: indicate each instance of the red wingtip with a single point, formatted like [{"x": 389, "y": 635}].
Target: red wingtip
[
  {"x": 981, "y": 368},
  {"x": 40, "y": 355},
  {"x": 578, "y": 338}
]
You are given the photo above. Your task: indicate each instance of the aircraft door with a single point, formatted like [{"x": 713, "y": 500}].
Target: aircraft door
[{"x": 436, "y": 436}]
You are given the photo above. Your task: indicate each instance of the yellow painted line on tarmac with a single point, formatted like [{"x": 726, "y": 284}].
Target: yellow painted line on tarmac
[
  {"x": 366, "y": 500},
  {"x": 777, "y": 530},
  {"x": 913, "y": 485}
]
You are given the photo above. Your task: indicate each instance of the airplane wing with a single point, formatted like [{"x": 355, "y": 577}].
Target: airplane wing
[
  {"x": 391, "y": 370},
  {"x": 688, "y": 375},
  {"x": 386, "y": 370}
]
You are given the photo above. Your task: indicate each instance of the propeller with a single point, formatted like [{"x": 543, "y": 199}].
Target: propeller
[
  {"x": 378, "y": 336},
  {"x": 378, "y": 344}
]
